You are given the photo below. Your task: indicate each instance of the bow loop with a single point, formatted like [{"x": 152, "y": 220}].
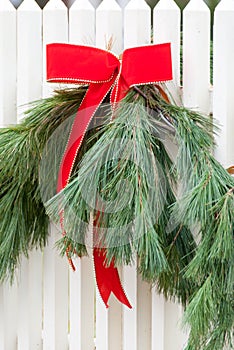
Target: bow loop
[{"x": 80, "y": 64}]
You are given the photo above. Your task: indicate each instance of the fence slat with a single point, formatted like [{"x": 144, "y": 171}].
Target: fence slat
[
  {"x": 82, "y": 23},
  {"x": 7, "y": 63},
  {"x": 8, "y": 294},
  {"x": 174, "y": 338},
  {"x": 87, "y": 300},
  {"x": 137, "y": 24},
  {"x": 166, "y": 16},
  {"x": 101, "y": 324},
  {"x": 114, "y": 324},
  {"x": 130, "y": 315},
  {"x": 75, "y": 300},
  {"x": 158, "y": 320},
  {"x": 82, "y": 305},
  {"x": 30, "y": 305},
  {"x": 108, "y": 324},
  {"x": 10, "y": 315},
  {"x": 109, "y": 26},
  {"x": 143, "y": 314},
  {"x": 55, "y": 30},
  {"x": 196, "y": 55},
  {"x": 55, "y": 308},
  {"x": 29, "y": 54},
  {"x": 223, "y": 102}
]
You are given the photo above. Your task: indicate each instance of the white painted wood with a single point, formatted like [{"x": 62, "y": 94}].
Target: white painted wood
[
  {"x": 24, "y": 307},
  {"x": 35, "y": 299},
  {"x": 29, "y": 54},
  {"x": 87, "y": 304},
  {"x": 82, "y": 305},
  {"x": 173, "y": 335},
  {"x": 2, "y": 323},
  {"x": 114, "y": 324},
  {"x": 82, "y": 23},
  {"x": 102, "y": 336},
  {"x": 137, "y": 24},
  {"x": 7, "y": 63},
  {"x": 55, "y": 30},
  {"x": 108, "y": 323},
  {"x": 109, "y": 26},
  {"x": 8, "y": 293},
  {"x": 158, "y": 321},
  {"x": 166, "y": 28},
  {"x": 196, "y": 55},
  {"x": 130, "y": 315},
  {"x": 10, "y": 299},
  {"x": 75, "y": 301},
  {"x": 55, "y": 303},
  {"x": 223, "y": 102},
  {"x": 143, "y": 314}
]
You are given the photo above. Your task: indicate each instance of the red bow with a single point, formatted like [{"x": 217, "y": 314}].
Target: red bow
[{"x": 103, "y": 71}]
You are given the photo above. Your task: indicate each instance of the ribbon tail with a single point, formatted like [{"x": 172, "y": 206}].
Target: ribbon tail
[{"x": 107, "y": 278}]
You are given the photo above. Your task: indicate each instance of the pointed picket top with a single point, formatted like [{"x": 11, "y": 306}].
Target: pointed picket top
[
  {"x": 196, "y": 39},
  {"x": 139, "y": 4},
  {"x": 81, "y": 5},
  {"x": 109, "y": 26},
  {"x": 166, "y": 5},
  {"x": 29, "y": 5},
  {"x": 109, "y": 5},
  {"x": 225, "y": 5},
  {"x": 6, "y": 5},
  {"x": 82, "y": 23},
  {"x": 137, "y": 24},
  {"x": 196, "y": 5},
  {"x": 55, "y": 5}
]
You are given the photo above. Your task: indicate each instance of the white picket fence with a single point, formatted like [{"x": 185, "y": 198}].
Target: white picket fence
[{"x": 49, "y": 307}]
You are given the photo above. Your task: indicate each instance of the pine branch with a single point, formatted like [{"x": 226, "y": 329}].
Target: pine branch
[{"x": 23, "y": 221}]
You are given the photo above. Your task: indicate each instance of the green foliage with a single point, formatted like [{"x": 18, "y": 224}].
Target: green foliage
[
  {"x": 23, "y": 221},
  {"x": 140, "y": 202}
]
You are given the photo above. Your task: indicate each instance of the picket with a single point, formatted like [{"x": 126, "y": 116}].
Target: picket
[
  {"x": 108, "y": 324},
  {"x": 82, "y": 23},
  {"x": 143, "y": 314},
  {"x": 158, "y": 321},
  {"x": 55, "y": 30},
  {"x": 10, "y": 315},
  {"x": 109, "y": 26},
  {"x": 81, "y": 299},
  {"x": 137, "y": 24},
  {"x": 223, "y": 103},
  {"x": 7, "y": 63},
  {"x": 130, "y": 315},
  {"x": 29, "y": 59},
  {"x": 29, "y": 54},
  {"x": 196, "y": 55},
  {"x": 55, "y": 302},
  {"x": 75, "y": 301},
  {"x": 166, "y": 26},
  {"x": 8, "y": 300}
]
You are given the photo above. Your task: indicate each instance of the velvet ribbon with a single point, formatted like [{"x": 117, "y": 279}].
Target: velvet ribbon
[{"x": 104, "y": 73}]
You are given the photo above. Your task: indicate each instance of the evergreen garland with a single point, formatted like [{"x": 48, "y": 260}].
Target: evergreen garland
[
  {"x": 23, "y": 221},
  {"x": 144, "y": 205}
]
